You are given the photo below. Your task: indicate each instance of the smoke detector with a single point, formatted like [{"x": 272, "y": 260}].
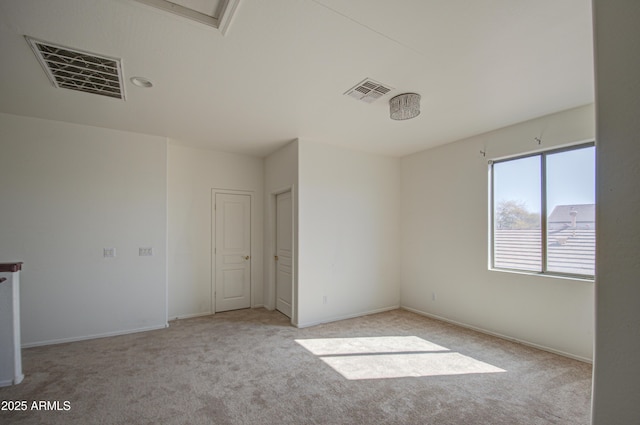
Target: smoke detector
[
  {"x": 368, "y": 90},
  {"x": 77, "y": 70}
]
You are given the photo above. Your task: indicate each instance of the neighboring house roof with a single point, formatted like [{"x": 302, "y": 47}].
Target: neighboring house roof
[
  {"x": 568, "y": 251},
  {"x": 586, "y": 213}
]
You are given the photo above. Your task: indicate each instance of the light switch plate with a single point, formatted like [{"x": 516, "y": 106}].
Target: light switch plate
[{"x": 108, "y": 252}]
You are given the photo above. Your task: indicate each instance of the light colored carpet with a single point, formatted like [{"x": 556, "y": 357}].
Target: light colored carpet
[{"x": 252, "y": 367}]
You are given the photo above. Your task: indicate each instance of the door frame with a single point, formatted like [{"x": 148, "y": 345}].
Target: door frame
[
  {"x": 251, "y": 194},
  {"x": 271, "y": 251}
]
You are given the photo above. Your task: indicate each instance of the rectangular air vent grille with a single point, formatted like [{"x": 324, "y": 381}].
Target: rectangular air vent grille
[
  {"x": 368, "y": 91},
  {"x": 82, "y": 71}
]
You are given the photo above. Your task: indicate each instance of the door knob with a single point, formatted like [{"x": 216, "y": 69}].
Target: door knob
[{"x": 246, "y": 257}]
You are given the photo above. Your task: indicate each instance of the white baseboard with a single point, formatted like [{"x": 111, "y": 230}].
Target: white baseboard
[
  {"x": 9, "y": 382},
  {"x": 348, "y": 316},
  {"x": 94, "y": 336},
  {"x": 499, "y": 335},
  {"x": 206, "y": 313},
  {"x": 191, "y": 316}
]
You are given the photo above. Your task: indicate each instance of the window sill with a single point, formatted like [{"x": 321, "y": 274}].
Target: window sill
[{"x": 549, "y": 275}]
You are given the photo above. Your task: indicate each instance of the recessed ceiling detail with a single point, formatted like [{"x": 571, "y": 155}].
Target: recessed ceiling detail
[
  {"x": 82, "y": 71},
  {"x": 215, "y": 13},
  {"x": 368, "y": 90}
]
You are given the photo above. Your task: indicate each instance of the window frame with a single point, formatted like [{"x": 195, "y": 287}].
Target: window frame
[{"x": 543, "y": 213}]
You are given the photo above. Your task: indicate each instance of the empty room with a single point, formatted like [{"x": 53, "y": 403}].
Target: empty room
[{"x": 319, "y": 212}]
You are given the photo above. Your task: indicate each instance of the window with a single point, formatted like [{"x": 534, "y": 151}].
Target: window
[{"x": 543, "y": 212}]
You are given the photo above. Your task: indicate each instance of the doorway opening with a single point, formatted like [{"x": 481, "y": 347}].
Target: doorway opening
[
  {"x": 284, "y": 253},
  {"x": 281, "y": 258}
]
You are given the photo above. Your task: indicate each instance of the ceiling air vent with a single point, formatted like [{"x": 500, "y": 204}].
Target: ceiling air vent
[
  {"x": 368, "y": 90},
  {"x": 81, "y": 71}
]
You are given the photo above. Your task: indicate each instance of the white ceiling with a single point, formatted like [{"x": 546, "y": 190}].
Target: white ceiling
[{"x": 281, "y": 70}]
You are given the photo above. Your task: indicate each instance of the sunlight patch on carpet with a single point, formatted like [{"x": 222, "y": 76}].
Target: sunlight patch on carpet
[{"x": 392, "y": 357}]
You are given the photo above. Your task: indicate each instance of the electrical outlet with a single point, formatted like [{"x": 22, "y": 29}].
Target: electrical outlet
[
  {"x": 108, "y": 252},
  {"x": 324, "y": 299},
  {"x": 145, "y": 252},
  {"x": 433, "y": 296}
]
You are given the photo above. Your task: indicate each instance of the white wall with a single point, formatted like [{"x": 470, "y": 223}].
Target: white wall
[
  {"x": 445, "y": 242},
  {"x": 616, "y": 390},
  {"x": 280, "y": 174},
  {"x": 67, "y": 192},
  {"x": 348, "y": 233},
  {"x": 192, "y": 174}
]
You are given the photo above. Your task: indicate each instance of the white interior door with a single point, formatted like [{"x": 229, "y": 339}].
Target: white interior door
[
  {"x": 284, "y": 253},
  {"x": 232, "y": 251}
]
